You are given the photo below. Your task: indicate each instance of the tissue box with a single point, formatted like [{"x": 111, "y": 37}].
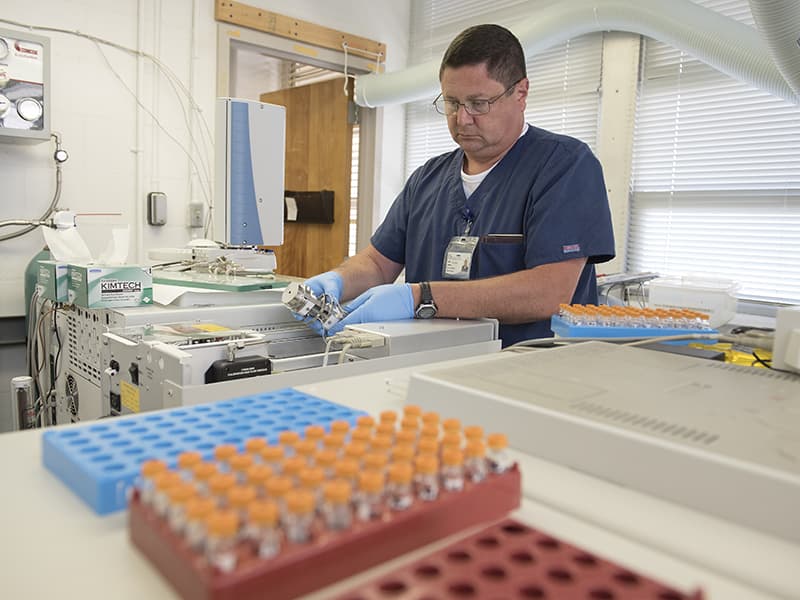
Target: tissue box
[
  {"x": 97, "y": 286},
  {"x": 52, "y": 280}
]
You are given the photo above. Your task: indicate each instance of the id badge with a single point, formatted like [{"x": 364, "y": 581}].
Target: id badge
[{"x": 458, "y": 257}]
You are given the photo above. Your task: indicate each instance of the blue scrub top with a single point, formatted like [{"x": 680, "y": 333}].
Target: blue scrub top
[{"x": 548, "y": 190}]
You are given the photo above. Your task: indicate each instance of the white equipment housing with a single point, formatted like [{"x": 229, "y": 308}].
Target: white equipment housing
[{"x": 250, "y": 153}]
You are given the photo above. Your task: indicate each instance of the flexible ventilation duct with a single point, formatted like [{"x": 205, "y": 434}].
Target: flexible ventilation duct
[
  {"x": 779, "y": 23},
  {"x": 727, "y": 45}
]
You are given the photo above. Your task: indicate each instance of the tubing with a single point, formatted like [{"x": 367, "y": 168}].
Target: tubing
[
  {"x": 727, "y": 45},
  {"x": 779, "y": 23}
]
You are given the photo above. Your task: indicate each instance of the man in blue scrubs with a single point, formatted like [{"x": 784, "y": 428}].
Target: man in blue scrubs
[{"x": 509, "y": 225}]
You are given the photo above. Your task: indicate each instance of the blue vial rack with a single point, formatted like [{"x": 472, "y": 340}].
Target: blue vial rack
[
  {"x": 100, "y": 461},
  {"x": 562, "y": 328}
]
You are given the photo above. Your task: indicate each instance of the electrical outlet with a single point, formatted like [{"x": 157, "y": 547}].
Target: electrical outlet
[
  {"x": 786, "y": 352},
  {"x": 196, "y": 214}
]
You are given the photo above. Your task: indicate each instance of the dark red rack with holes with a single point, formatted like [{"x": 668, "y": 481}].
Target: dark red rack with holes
[
  {"x": 511, "y": 561},
  {"x": 302, "y": 568}
]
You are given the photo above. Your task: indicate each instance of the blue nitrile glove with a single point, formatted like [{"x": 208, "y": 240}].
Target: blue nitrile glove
[
  {"x": 330, "y": 283},
  {"x": 389, "y": 302}
]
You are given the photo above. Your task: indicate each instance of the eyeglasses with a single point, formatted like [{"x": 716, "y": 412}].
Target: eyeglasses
[{"x": 478, "y": 106}]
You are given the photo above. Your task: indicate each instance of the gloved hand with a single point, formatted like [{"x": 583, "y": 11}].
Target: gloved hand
[
  {"x": 390, "y": 302},
  {"x": 330, "y": 283}
]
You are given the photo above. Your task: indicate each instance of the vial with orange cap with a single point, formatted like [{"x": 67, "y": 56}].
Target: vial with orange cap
[
  {"x": 288, "y": 439},
  {"x": 427, "y": 477},
  {"x": 257, "y": 476},
  {"x": 361, "y": 435},
  {"x": 399, "y": 493},
  {"x": 239, "y": 498},
  {"x": 187, "y": 461},
  {"x": 369, "y": 499},
  {"x": 197, "y": 511},
  {"x": 497, "y": 455},
  {"x": 388, "y": 416},
  {"x": 218, "y": 486},
  {"x": 336, "y": 508},
  {"x": 163, "y": 483},
  {"x": 202, "y": 472},
  {"x": 222, "y": 454},
  {"x": 376, "y": 461},
  {"x": 430, "y": 418},
  {"x": 299, "y": 515},
  {"x": 355, "y": 451},
  {"x": 262, "y": 527},
  {"x": 273, "y": 456},
  {"x": 222, "y": 531},
  {"x": 315, "y": 433},
  {"x": 254, "y": 446},
  {"x": 306, "y": 449},
  {"x": 365, "y": 422},
  {"x": 340, "y": 428},
  {"x": 311, "y": 479},
  {"x": 292, "y": 466},
  {"x": 147, "y": 475},
  {"x": 277, "y": 489},
  {"x": 452, "y": 470},
  {"x": 239, "y": 463},
  {"x": 347, "y": 468},
  {"x": 179, "y": 495},
  {"x": 475, "y": 461},
  {"x": 326, "y": 459}
]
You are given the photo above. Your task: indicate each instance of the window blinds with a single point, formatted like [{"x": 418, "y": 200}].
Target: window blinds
[
  {"x": 564, "y": 81},
  {"x": 716, "y": 175}
]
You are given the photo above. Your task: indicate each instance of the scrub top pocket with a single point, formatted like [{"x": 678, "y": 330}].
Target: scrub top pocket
[{"x": 500, "y": 254}]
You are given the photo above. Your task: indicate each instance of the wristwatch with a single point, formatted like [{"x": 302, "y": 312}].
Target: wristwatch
[{"x": 427, "y": 307}]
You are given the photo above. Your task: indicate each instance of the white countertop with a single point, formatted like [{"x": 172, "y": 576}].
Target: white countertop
[{"x": 53, "y": 546}]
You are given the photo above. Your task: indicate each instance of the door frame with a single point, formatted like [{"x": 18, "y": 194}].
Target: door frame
[{"x": 370, "y": 119}]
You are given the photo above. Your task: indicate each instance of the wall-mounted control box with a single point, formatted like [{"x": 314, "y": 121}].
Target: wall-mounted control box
[{"x": 24, "y": 86}]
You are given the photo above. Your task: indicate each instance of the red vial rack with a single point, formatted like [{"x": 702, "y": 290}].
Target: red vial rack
[
  {"x": 512, "y": 561},
  {"x": 330, "y": 555}
]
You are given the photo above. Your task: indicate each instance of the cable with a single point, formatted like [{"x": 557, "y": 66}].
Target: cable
[
  {"x": 343, "y": 352},
  {"x": 53, "y": 202}
]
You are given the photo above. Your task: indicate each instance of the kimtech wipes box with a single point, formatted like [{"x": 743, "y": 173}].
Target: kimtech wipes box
[
  {"x": 52, "y": 280},
  {"x": 97, "y": 286}
]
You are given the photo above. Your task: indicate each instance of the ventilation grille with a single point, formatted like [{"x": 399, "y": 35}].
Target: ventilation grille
[
  {"x": 648, "y": 424},
  {"x": 764, "y": 373},
  {"x": 83, "y": 342}
]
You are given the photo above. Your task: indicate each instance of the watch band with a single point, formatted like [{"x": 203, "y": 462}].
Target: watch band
[{"x": 427, "y": 307}]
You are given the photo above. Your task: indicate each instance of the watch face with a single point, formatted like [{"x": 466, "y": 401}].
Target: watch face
[{"x": 426, "y": 311}]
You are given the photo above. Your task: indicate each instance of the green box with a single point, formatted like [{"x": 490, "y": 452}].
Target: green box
[
  {"x": 52, "y": 280},
  {"x": 97, "y": 286}
]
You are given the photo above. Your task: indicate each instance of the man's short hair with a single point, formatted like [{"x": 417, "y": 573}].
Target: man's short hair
[{"x": 491, "y": 44}]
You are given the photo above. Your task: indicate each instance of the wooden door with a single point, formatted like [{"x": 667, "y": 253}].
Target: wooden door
[{"x": 318, "y": 157}]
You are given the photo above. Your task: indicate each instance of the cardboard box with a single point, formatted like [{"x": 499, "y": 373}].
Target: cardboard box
[
  {"x": 52, "y": 280},
  {"x": 98, "y": 286}
]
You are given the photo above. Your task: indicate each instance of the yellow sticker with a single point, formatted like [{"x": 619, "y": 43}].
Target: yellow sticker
[
  {"x": 210, "y": 327},
  {"x": 130, "y": 396}
]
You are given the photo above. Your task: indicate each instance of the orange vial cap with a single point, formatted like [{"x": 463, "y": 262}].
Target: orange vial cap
[
  {"x": 187, "y": 460},
  {"x": 223, "y": 523},
  {"x": 475, "y": 449},
  {"x": 451, "y": 425},
  {"x": 239, "y": 496},
  {"x": 204, "y": 470},
  {"x": 315, "y": 432},
  {"x": 338, "y": 490},
  {"x": 255, "y": 445},
  {"x": 497, "y": 441},
  {"x": 340, "y": 427},
  {"x": 151, "y": 468},
  {"x": 375, "y": 460},
  {"x": 288, "y": 438},
  {"x": 278, "y": 487},
  {"x": 224, "y": 451},
  {"x": 429, "y": 431},
  {"x": 409, "y": 424},
  {"x": 180, "y": 493},
  {"x": 220, "y": 483},
  {"x": 381, "y": 443},
  {"x": 412, "y": 410},
  {"x": 451, "y": 439},
  {"x": 292, "y": 466},
  {"x": 473, "y": 432},
  {"x": 370, "y": 481},
  {"x": 259, "y": 474},
  {"x": 240, "y": 462},
  {"x": 198, "y": 508},
  {"x": 325, "y": 458},
  {"x": 428, "y": 446},
  {"x": 400, "y": 472},
  {"x": 333, "y": 441},
  {"x": 431, "y": 418},
  {"x": 355, "y": 450},
  {"x": 300, "y": 502},
  {"x": 312, "y": 477},
  {"x": 402, "y": 453},
  {"x": 406, "y": 437},
  {"x": 388, "y": 416},
  {"x": 361, "y": 434},
  {"x": 305, "y": 448},
  {"x": 385, "y": 429},
  {"x": 426, "y": 464},
  {"x": 365, "y": 421},
  {"x": 272, "y": 453},
  {"x": 452, "y": 458},
  {"x": 167, "y": 479},
  {"x": 347, "y": 468},
  {"x": 262, "y": 512}
]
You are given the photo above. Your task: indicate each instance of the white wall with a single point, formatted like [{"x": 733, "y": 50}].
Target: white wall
[{"x": 117, "y": 153}]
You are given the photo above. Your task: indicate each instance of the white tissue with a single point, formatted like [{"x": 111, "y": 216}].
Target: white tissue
[{"x": 67, "y": 245}]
